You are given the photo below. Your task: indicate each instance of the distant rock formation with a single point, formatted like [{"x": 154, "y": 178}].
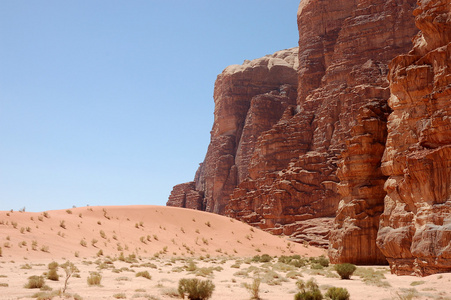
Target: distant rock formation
[{"x": 415, "y": 228}]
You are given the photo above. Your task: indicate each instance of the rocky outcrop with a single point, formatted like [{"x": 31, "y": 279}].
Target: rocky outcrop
[
  {"x": 185, "y": 195},
  {"x": 415, "y": 228},
  {"x": 249, "y": 99},
  {"x": 344, "y": 51}
]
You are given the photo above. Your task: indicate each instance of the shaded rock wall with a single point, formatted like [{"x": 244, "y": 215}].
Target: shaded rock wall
[{"x": 415, "y": 228}]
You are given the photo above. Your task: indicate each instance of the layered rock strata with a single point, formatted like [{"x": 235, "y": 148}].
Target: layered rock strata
[
  {"x": 249, "y": 99},
  {"x": 415, "y": 228},
  {"x": 344, "y": 51}
]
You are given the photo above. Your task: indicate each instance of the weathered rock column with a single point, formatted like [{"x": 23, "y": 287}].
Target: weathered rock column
[{"x": 415, "y": 228}]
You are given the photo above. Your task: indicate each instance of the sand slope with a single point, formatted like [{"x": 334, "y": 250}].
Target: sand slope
[
  {"x": 173, "y": 243},
  {"x": 143, "y": 230}
]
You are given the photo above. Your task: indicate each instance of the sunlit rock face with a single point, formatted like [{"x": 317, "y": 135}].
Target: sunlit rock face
[
  {"x": 415, "y": 228},
  {"x": 249, "y": 99},
  {"x": 344, "y": 51}
]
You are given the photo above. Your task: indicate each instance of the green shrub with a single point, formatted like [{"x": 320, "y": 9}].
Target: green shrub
[
  {"x": 94, "y": 279},
  {"x": 345, "y": 270},
  {"x": 337, "y": 293},
  {"x": 144, "y": 274},
  {"x": 323, "y": 261},
  {"x": 316, "y": 266},
  {"x": 308, "y": 290},
  {"x": 309, "y": 295},
  {"x": 34, "y": 282},
  {"x": 195, "y": 289}
]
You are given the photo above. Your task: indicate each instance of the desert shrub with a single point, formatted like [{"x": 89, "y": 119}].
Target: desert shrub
[
  {"x": 195, "y": 289},
  {"x": 256, "y": 258},
  {"x": 34, "y": 282},
  {"x": 0, "y": 251},
  {"x": 345, "y": 270},
  {"x": 53, "y": 265},
  {"x": 52, "y": 275},
  {"x": 254, "y": 288},
  {"x": 144, "y": 274},
  {"x": 323, "y": 261},
  {"x": 120, "y": 296},
  {"x": 294, "y": 260},
  {"x": 70, "y": 269},
  {"x": 337, "y": 293},
  {"x": 308, "y": 290},
  {"x": 265, "y": 258},
  {"x": 309, "y": 295},
  {"x": 94, "y": 279}
]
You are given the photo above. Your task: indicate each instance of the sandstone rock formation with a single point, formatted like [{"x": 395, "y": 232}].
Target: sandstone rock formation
[
  {"x": 353, "y": 238},
  {"x": 344, "y": 51},
  {"x": 415, "y": 228},
  {"x": 274, "y": 155},
  {"x": 249, "y": 99}
]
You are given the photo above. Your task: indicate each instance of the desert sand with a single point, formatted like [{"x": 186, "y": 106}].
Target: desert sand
[{"x": 171, "y": 243}]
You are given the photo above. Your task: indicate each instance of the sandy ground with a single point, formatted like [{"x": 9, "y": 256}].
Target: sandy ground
[{"x": 170, "y": 244}]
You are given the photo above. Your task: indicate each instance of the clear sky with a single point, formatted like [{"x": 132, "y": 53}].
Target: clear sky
[{"x": 107, "y": 102}]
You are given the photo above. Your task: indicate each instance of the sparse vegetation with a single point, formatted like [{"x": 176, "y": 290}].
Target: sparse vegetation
[
  {"x": 94, "y": 279},
  {"x": 308, "y": 290},
  {"x": 144, "y": 274},
  {"x": 35, "y": 282},
  {"x": 69, "y": 269},
  {"x": 337, "y": 293},
  {"x": 52, "y": 274},
  {"x": 195, "y": 289},
  {"x": 254, "y": 288}
]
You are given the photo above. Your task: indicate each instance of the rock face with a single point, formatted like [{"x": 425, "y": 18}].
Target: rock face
[
  {"x": 415, "y": 228},
  {"x": 344, "y": 50},
  {"x": 249, "y": 99}
]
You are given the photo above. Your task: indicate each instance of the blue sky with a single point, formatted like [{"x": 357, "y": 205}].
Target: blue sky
[{"x": 106, "y": 102}]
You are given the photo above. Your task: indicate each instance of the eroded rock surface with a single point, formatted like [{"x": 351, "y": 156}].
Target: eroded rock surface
[
  {"x": 415, "y": 228},
  {"x": 249, "y": 99},
  {"x": 344, "y": 51}
]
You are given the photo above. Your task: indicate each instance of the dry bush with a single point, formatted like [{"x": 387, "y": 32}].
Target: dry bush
[
  {"x": 35, "y": 282},
  {"x": 253, "y": 288},
  {"x": 144, "y": 274},
  {"x": 195, "y": 289},
  {"x": 94, "y": 279}
]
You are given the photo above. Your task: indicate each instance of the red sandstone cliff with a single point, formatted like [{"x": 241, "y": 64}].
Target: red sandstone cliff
[
  {"x": 249, "y": 99},
  {"x": 415, "y": 228},
  {"x": 344, "y": 50},
  {"x": 291, "y": 164}
]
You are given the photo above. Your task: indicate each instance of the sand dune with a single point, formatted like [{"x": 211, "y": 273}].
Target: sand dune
[{"x": 143, "y": 230}]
